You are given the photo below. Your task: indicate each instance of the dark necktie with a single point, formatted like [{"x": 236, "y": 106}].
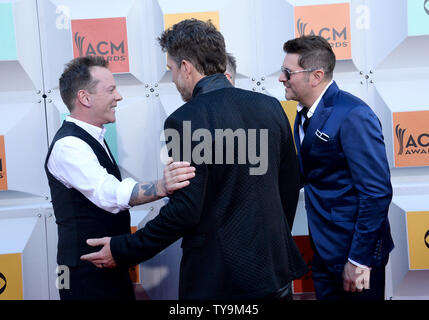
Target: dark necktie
[{"x": 303, "y": 112}]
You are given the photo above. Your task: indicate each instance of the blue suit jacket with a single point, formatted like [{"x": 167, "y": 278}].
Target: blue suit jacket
[{"x": 347, "y": 181}]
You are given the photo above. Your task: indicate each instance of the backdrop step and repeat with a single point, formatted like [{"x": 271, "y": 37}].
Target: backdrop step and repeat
[{"x": 381, "y": 47}]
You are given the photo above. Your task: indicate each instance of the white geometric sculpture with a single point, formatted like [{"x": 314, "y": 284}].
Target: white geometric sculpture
[
  {"x": 407, "y": 274},
  {"x": 23, "y": 260}
]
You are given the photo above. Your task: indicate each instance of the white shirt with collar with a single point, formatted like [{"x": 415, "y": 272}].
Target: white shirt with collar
[
  {"x": 74, "y": 164},
  {"x": 310, "y": 113}
]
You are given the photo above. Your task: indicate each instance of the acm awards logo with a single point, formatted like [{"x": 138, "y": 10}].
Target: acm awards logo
[
  {"x": 336, "y": 38},
  {"x": 110, "y": 50},
  {"x": 3, "y": 283},
  {"x": 414, "y": 144},
  {"x": 106, "y": 37}
]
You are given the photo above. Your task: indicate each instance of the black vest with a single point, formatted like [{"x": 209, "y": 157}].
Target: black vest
[{"x": 78, "y": 219}]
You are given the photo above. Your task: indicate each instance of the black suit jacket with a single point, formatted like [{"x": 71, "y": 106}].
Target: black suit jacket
[{"x": 236, "y": 227}]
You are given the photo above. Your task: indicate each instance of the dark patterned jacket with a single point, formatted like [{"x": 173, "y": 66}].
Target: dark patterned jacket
[{"x": 236, "y": 227}]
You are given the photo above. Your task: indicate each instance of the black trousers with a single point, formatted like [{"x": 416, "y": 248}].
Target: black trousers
[
  {"x": 328, "y": 282},
  {"x": 88, "y": 282}
]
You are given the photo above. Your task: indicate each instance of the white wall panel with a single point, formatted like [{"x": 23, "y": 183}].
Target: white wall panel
[
  {"x": 402, "y": 282},
  {"x": 138, "y": 128},
  {"x": 55, "y": 36},
  {"x": 26, "y": 148},
  {"x": 28, "y": 42},
  {"x": 23, "y": 232},
  {"x": 23, "y": 122}
]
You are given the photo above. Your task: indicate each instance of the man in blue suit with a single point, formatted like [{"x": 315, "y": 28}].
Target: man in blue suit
[{"x": 345, "y": 172}]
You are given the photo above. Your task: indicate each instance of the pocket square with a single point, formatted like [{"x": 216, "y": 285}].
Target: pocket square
[{"x": 321, "y": 135}]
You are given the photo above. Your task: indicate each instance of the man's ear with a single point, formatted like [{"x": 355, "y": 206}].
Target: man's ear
[
  {"x": 187, "y": 67},
  {"x": 318, "y": 77},
  {"x": 83, "y": 98}
]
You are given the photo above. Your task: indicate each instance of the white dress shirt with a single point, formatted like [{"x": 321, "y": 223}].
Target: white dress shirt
[
  {"x": 74, "y": 163},
  {"x": 310, "y": 113}
]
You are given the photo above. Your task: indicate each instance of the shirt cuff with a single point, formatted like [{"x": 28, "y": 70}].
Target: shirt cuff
[
  {"x": 359, "y": 265},
  {"x": 123, "y": 193}
]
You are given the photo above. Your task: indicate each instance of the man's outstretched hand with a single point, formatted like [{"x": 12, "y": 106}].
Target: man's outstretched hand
[
  {"x": 102, "y": 258},
  {"x": 176, "y": 176}
]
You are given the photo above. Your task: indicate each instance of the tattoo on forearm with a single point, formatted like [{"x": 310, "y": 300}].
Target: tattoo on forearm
[
  {"x": 149, "y": 193},
  {"x": 149, "y": 189},
  {"x": 134, "y": 194}
]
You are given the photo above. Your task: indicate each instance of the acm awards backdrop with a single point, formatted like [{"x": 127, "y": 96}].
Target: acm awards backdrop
[
  {"x": 329, "y": 21},
  {"x": 102, "y": 37},
  {"x": 381, "y": 48},
  {"x": 412, "y": 138}
]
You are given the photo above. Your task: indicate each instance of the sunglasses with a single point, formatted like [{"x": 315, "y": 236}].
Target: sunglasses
[{"x": 288, "y": 73}]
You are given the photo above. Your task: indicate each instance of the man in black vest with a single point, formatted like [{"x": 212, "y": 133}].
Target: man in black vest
[
  {"x": 89, "y": 197},
  {"x": 236, "y": 216}
]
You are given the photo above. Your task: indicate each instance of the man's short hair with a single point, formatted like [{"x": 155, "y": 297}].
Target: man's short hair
[
  {"x": 198, "y": 42},
  {"x": 231, "y": 65},
  {"x": 314, "y": 52},
  {"x": 77, "y": 76}
]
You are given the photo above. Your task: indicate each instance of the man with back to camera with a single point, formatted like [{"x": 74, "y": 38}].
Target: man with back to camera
[
  {"x": 236, "y": 226},
  {"x": 345, "y": 172},
  {"x": 89, "y": 197}
]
